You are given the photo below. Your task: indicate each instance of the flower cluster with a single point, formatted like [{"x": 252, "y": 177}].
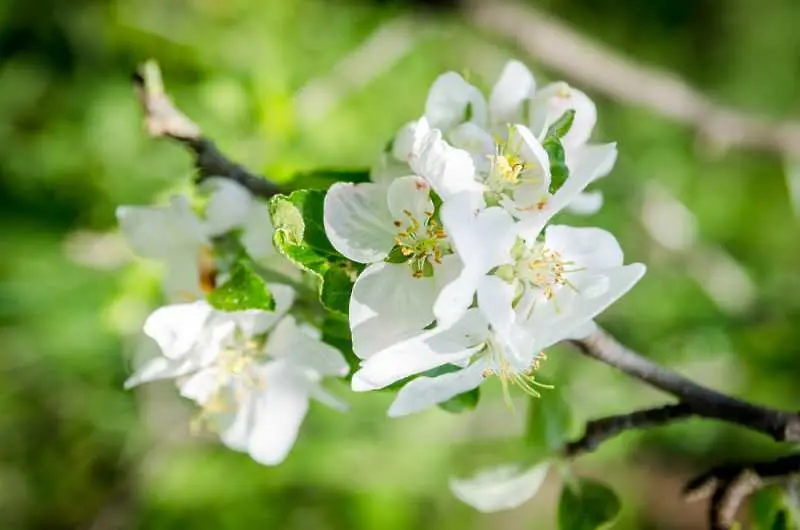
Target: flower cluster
[
  {"x": 464, "y": 268},
  {"x": 444, "y": 263},
  {"x": 250, "y": 371}
]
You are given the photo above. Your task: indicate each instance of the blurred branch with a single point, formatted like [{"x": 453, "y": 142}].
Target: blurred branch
[
  {"x": 729, "y": 485},
  {"x": 163, "y": 119},
  {"x": 783, "y": 426},
  {"x": 565, "y": 50},
  {"x": 599, "y": 430}
]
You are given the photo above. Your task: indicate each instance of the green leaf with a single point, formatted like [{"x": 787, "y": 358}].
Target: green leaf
[
  {"x": 300, "y": 236},
  {"x": 559, "y": 172},
  {"x": 336, "y": 332},
  {"x": 325, "y": 178},
  {"x": 245, "y": 289},
  {"x": 562, "y": 125},
  {"x": 549, "y": 422},
  {"x": 771, "y": 509},
  {"x": 587, "y": 505},
  {"x": 396, "y": 255}
]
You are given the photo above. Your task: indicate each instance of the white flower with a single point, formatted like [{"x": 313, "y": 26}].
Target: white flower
[
  {"x": 500, "y": 488},
  {"x": 252, "y": 372},
  {"x": 182, "y": 240},
  {"x": 531, "y": 294},
  {"x": 390, "y": 227}
]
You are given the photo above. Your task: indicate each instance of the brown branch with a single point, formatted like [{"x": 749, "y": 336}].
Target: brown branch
[
  {"x": 729, "y": 485},
  {"x": 596, "y": 66},
  {"x": 164, "y": 120},
  {"x": 783, "y": 426},
  {"x": 599, "y": 430}
]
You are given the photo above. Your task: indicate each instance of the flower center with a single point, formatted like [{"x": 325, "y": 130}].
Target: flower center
[
  {"x": 420, "y": 244},
  {"x": 508, "y": 171},
  {"x": 237, "y": 374},
  {"x": 508, "y": 374}
]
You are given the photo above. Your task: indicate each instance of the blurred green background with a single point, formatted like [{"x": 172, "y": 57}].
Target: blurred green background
[{"x": 286, "y": 85}]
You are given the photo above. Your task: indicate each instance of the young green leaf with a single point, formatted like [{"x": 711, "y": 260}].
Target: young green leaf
[
  {"x": 245, "y": 289},
  {"x": 771, "y": 510},
  {"x": 549, "y": 422},
  {"x": 325, "y": 178},
  {"x": 336, "y": 332},
  {"x": 588, "y": 505},
  {"x": 300, "y": 236},
  {"x": 562, "y": 125},
  {"x": 559, "y": 172}
]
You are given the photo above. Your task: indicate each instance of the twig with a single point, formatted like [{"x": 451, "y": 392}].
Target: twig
[
  {"x": 163, "y": 119},
  {"x": 729, "y": 485},
  {"x": 565, "y": 50},
  {"x": 783, "y": 426},
  {"x": 599, "y": 430}
]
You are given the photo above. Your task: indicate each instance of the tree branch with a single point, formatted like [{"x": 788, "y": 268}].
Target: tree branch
[
  {"x": 729, "y": 485},
  {"x": 565, "y": 50},
  {"x": 599, "y": 430},
  {"x": 163, "y": 119},
  {"x": 704, "y": 402}
]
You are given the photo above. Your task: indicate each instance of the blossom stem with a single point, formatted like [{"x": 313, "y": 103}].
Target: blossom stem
[{"x": 164, "y": 120}]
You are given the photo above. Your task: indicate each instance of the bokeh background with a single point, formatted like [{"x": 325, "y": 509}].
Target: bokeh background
[{"x": 288, "y": 85}]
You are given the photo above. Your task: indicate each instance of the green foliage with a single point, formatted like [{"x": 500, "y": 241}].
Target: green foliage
[
  {"x": 325, "y": 178},
  {"x": 559, "y": 172},
  {"x": 549, "y": 422},
  {"x": 772, "y": 509},
  {"x": 245, "y": 289},
  {"x": 587, "y": 505},
  {"x": 300, "y": 236}
]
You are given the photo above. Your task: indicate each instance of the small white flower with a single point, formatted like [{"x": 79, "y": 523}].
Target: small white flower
[
  {"x": 391, "y": 227},
  {"x": 252, "y": 372},
  {"x": 182, "y": 240},
  {"x": 500, "y": 488}
]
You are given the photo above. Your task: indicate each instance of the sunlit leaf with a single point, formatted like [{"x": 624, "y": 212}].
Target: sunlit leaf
[
  {"x": 245, "y": 289},
  {"x": 587, "y": 505}
]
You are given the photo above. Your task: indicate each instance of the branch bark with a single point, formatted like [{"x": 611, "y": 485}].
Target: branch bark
[
  {"x": 782, "y": 426},
  {"x": 164, "y": 120},
  {"x": 563, "y": 49}
]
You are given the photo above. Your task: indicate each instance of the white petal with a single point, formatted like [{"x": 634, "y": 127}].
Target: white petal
[
  {"x": 514, "y": 86},
  {"x": 424, "y": 392},
  {"x": 425, "y": 351},
  {"x": 181, "y": 281},
  {"x": 495, "y": 297},
  {"x": 161, "y": 368},
  {"x": 500, "y": 488},
  {"x": 237, "y": 426},
  {"x": 569, "y": 311},
  {"x": 586, "y": 203},
  {"x": 409, "y": 195},
  {"x": 537, "y": 163},
  {"x": 228, "y": 205},
  {"x": 201, "y": 385},
  {"x": 162, "y": 232},
  {"x": 476, "y": 141},
  {"x": 387, "y": 168},
  {"x": 559, "y": 97},
  {"x": 404, "y": 141},
  {"x": 358, "y": 222},
  {"x": 592, "y": 161},
  {"x": 456, "y": 296},
  {"x": 451, "y": 100},
  {"x": 254, "y": 322},
  {"x": 326, "y": 398},
  {"x": 587, "y": 247},
  {"x": 447, "y": 169},
  {"x": 388, "y": 305},
  {"x": 582, "y": 331},
  {"x": 279, "y": 411},
  {"x": 257, "y": 234},
  {"x": 289, "y": 342},
  {"x": 177, "y": 328}
]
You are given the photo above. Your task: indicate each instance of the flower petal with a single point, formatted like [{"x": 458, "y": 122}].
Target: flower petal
[
  {"x": 424, "y": 391},
  {"x": 202, "y": 385},
  {"x": 254, "y": 322},
  {"x": 257, "y": 234},
  {"x": 404, "y": 141},
  {"x": 447, "y": 169},
  {"x": 278, "y": 413},
  {"x": 287, "y": 341},
  {"x": 592, "y": 161},
  {"x": 587, "y": 247},
  {"x": 586, "y": 203},
  {"x": 537, "y": 163},
  {"x": 161, "y": 368},
  {"x": 515, "y": 85},
  {"x": 388, "y": 305},
  {"x": 358, "y": 222},
  {"x": 495, "y": 297},
  {"x": 409, "y": 197},
  {"x": 557, "y": 98},
  {"x": 228, "y": 205},
  {"x": 500, "y": 488},
  {"x": 425, "y": 351},
  {"x": 451, "y": 100},
  {"x": 476, "y": 141},
  {"x": 162, "y": 232},
  {"x": 177, "y": 328},
  {"x": 326, "y": 398}
]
